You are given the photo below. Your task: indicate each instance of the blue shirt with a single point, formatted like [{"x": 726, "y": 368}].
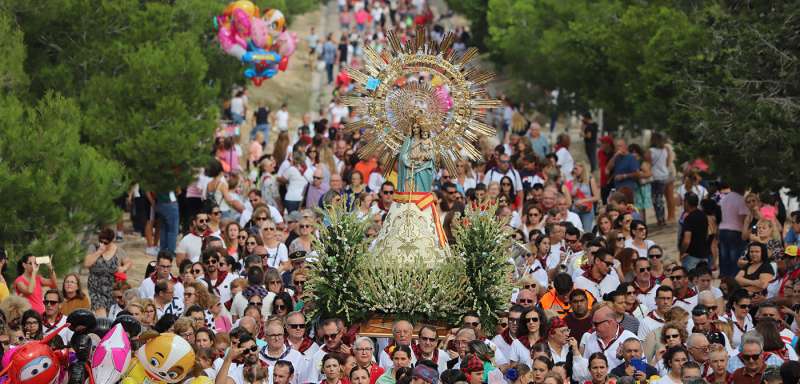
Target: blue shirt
[
  {"x": 328, "y": 52},
  {"x": 625, "y": 164},
  {"x": 791, "y": 238},
  {"x": 540, "y": 146}
]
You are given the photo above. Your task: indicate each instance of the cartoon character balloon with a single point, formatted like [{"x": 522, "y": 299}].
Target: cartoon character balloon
[
  {"x": 164, "y": 358},
  {"x": 112, "y": 357},
  {"x": 36, "y": 363},
  {"x": 261, "y": 42}
]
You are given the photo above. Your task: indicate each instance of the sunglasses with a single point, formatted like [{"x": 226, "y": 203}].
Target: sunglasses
[
  {"x": 197, "y": 271},
  {"x": 213, "y": 261},
  {"x": 299, "y": 282},
  {"x": 105, "y": 242},
  {"x": 529, "y": 286},
  {"x": 525, "y": 301},
  {"x": 751, "y": 357},
  {"x": 655, "y": 255},
  {"x": 261, "y": 218},
  {"x": 678, "y": 277},
  {"x": 648, "y": 269},
  {"x": 280, "y": 307},
  {"x": 503, "y": 325},
  {"x": 744, "y": 306},
  {"x": 387, "y": 192},
  {"x": 252, "y": 349},
  {"x": 296, "y": 326},
  {"x": 242, "y": 237},
  {"x": 305, "y": 226},
  {"x": 532, "y": 320},
  {"x": 216, "y": 213},
  {"x": 330, "y": 337},
  {"x": 672, "y": 336},
  {"x": 251, "y": 243},
  {"x": 50, "y": 302},
  {"x": 256, "y": 303},
  {"x": 474, "y": 324}
]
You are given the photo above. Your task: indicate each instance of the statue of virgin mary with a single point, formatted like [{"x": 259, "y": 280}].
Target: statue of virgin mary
[{"x": 416, "y": 170}]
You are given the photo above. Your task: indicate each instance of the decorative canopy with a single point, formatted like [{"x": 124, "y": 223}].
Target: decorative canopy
[{"x": 421, "y": 80}]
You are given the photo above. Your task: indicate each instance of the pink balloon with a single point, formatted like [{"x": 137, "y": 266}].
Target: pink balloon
[{"x": 260, "y": 34}]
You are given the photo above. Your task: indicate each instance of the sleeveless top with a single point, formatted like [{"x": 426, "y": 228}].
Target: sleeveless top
[{"x": 659, "y": 163}]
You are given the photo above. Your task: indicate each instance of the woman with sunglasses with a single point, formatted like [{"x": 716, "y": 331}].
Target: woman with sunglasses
[
  {"x": 277, "y": 253},
  {"x": 737, "y": 313},
  {"x": 656, "y": 255},
  {"x": 104, "y": 261},
  {"x": 532, "y": 220},
  {"x": 282, "y": 304},
  {"x": 671, "y": 335},
  {"x": 531, "y": 330},
  {"x": 251, "y": 243},
  {"x": 305, "y": 241}
]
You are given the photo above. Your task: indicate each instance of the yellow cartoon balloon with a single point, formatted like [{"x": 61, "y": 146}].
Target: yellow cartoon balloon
[{"x": 164, "y": 358}]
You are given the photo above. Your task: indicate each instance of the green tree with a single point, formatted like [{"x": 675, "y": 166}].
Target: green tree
[
  {"x": 739, "y": 98},
  {"x": 475, "y": 12},
  {"x": 619, "y": 56}
]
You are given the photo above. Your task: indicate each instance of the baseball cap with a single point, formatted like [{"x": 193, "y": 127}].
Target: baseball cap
[{"x": 790, "y": 250}]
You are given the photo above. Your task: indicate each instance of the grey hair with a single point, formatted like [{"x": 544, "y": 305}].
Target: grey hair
[
  {"x": 753, "y": 337},
  {"x": 705, "y": 295},
  {"x": 362, "y": 339},
  {"x": 692, "y": 340},
  {"x": 396, "y": 323},
  {"x": 131, "y": 294}
]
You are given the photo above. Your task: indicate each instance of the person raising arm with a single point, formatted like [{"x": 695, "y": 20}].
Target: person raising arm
[{"x": 29, "y": 284}]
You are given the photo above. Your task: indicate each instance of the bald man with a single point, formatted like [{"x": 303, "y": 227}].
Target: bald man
[
  {"x": 402, "y": 333},
  {"x": 606, "y": 338}
]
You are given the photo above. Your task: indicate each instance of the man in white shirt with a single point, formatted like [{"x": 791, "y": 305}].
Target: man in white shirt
[
  {"x": 332, "y": 334},
  {"x": 606, "y": 338},
  {"x": 563, "y": 209},
  {"x": 598, "y": 280},
  {"x": 53, "y": 319},
  {"x": 147, "y": 289},
  {"x": 282, "y": 122},
  {"x": 685, "y": 296},
  {"x": 238, "y": 108},
  {"x": 164, "y": 299},
  {"x": 426, "y": 348},
  {"x": 402, "y": 332},
  {"x": 191, "y": 245},
  {"x": 276, "y": 349},
  {"x": 644, "y": 283},
  {"x": 219, "y": 282},
  {"x": 655, "y": 319}
]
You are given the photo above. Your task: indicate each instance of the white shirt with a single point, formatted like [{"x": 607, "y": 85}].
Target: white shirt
[
  {"x": 496, "y": 175},
  {"x": 609, "y": 283},
  {"x": 301, "y": 370},
  {"x": 223, "y": 290},
  {"x": 65, "y": 334},
  {"x": 649, "y": 298},
  {"x": 277, "y": 255},
  {"x": 591, "y": 344},
  {"x": 296, "y": 184},
  {"x": 147, "y": 289},
  {"x": 565, "y": 163},
  {"x": 237, "y": 105},
  {"x": 282, "y": 119},
  {"x": 652, "y": 322},
  {"x": 538, "y": 272},
  {"x": 641, "y": 251},
  {"x": 575, "y": 220},
  {"x": 385, "y": 361},
  {"x": 688, "y": 303},
  {"x": 338, "y": 112},
  {"x": 500, "y": 343},
  {"x": 191, "y": 245}
]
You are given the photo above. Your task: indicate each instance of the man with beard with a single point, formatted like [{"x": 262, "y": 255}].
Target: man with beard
[
  {"x": 191, "y": 245},
  {"x": 504, "y": 339},
  {"x": 598, "y": 280},
  {"x": 685, "y": 296},
  {"x": 217, "y": 282},
  {"x": 239, "y": 357},
  {"x": 579, "y": 320},
  {"x": 332, "y": 334}
]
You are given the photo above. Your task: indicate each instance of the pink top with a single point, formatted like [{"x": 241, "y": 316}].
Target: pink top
[
  {"x": 255, "y": 151},
  {"x": 223, "y": 324},
  {"x": 36, "y": 299},
  {"x": 734, "y": 210}
]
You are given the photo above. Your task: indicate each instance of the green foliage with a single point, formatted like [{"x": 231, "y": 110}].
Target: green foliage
[
  {"x": 620, "y": 56},
  {"x": 740, "y": 96},
  {"x": 482, "y": 244},
  {"x": 53, "y": 186},
  {"x": 475, "y": 12},
  {"x": 341, "y": 250},
  {"x": 413, "y": 290}
]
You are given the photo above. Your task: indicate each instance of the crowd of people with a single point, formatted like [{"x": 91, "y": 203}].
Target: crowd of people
[{"x": 595, "y": 298}]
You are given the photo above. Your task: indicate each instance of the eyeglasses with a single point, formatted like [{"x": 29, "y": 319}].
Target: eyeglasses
[
  {"x": 332, "y": 336},
  {"x": 753, "y": 357},
  {"x": 299, "y": 282},
  {"x": 261, "y": 218},
  {"x": 296, "y": 326},
  {"x": 363, "y": 349},
  {"x": 305, "y": 226},
  {"x": 701, "y": 349},
  {"x": 50, "y": 302},
  {"x": 242, "y": 237},
  {"x": 274, "y": 335},
  {"x": 672, "y": 336},
  {"x": 532, "y": 319},
  {"x": 268, "y": 229},
  {"x": 643, "y": 269},
  {"x": 655, "y": 255},
  {"x": 598, "y": 323}
]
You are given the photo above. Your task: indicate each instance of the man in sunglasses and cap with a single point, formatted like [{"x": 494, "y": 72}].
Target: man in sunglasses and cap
[
  {"x": 238, "y": 359},
  {"x": 298, "y": 261}
]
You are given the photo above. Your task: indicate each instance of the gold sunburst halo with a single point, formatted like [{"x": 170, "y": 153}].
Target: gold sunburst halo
[{"x": 385, "y": 100}]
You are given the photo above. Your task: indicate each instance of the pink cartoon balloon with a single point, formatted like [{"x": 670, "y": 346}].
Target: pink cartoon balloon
[{"x": 112, "y": 357}]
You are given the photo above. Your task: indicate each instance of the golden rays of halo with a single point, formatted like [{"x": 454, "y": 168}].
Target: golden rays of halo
[{"x": 385, "y": 107}]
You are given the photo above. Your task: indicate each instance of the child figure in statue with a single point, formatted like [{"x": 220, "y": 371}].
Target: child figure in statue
[{"x": 416, "y": 170}]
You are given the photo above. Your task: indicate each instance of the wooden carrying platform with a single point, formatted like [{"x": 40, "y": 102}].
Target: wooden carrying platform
[{"x": 381, "y": 326}]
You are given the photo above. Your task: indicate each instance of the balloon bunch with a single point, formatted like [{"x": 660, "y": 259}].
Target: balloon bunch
[{"x": 259, "y": 40}]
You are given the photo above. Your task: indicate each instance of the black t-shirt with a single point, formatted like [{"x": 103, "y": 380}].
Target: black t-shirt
[
  {"x": 343, "y": 52},
  {"x": 590, "y": 128},
  {"x": 696, "y": 223},
  {"x": 577, "y": 327},
  {"x": 763, "y": 268},
  {"x": 262, "y": 116}
]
